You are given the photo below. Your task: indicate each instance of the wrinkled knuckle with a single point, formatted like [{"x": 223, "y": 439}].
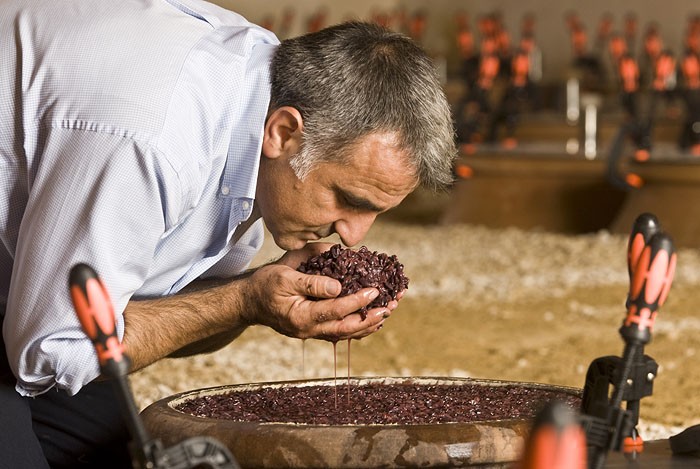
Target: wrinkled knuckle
[
  {"x": 306, "y": 284},
  {"x": 323, "y": 316}
]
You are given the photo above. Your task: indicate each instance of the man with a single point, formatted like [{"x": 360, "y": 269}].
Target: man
[{"x": 151, "y": 139}]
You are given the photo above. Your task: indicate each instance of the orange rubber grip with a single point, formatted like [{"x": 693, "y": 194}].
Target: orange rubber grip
[
  {"x": 552, "y": 448},
  {"x": 651, "y": 281},
  {"x": 645, "y": 226},
  {"x": 96, "y": 314}
]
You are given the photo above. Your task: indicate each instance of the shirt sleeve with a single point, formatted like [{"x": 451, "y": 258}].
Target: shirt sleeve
[{"x": 98, "y": 198}]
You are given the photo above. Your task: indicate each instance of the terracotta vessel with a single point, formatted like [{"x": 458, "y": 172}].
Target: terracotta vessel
[{"x": 484, "y": 444}]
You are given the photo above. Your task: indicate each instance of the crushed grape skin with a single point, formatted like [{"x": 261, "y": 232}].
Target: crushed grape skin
[
  {"x": 357, "y": 269},
  {"x": 376, "y": 404}
]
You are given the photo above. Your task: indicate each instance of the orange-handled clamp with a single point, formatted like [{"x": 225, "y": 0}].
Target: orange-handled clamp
[
  {"x": 96, "y": 314},
  {"x": 651, "y": 263}
]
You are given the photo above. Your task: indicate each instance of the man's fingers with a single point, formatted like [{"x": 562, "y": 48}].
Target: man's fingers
[
  {"x": 308, "y": 306},
  {"x": 351, "y": 326},
  {"x": 355, "y": 302},
  {"x": 318, "y": 286}
]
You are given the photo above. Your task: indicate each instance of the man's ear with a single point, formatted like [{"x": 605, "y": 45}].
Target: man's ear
[{"x": 283, "y": 130}]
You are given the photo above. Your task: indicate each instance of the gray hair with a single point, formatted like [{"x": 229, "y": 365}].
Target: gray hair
[{"x": 355, "y": 79}]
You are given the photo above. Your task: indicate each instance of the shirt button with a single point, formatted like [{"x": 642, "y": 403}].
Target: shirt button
[
  {"x": 245, "y": 205},
  {"x": 225, "y": 190}
]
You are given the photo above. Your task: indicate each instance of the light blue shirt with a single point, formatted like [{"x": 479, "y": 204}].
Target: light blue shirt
[{"x": 130, "y": 138}]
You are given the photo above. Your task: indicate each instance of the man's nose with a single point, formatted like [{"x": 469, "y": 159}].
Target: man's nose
[{"x": 354, "y": 228}]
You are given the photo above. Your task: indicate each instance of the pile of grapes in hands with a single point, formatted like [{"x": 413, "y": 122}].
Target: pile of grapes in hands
[{"x": 357, "y": 269}]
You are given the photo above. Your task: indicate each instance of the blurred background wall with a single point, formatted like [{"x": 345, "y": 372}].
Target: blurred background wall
[{"x": 670, "y": 16}]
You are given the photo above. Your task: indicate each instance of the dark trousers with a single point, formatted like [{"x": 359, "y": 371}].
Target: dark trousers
[{"x": 60, "y": 431}]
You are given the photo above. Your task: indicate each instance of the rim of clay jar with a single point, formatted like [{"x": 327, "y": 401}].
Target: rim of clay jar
[
  {"x": 488, "y": 443},
  {"x": 178, "y": 399}
]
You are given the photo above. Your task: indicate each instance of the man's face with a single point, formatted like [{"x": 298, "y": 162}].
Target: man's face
[{"x": 334, "y": 197}]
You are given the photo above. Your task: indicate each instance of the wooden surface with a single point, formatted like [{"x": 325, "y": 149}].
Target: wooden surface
[
  {"x": 656, "y": 455},
  {"x": 540, "y": 186},
  {"x": 536, "y": 187},
  {"x": 553, "y": 127},
  {"x": 671, "y": 191}
]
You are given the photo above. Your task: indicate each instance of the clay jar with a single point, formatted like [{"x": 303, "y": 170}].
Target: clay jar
[{"x": 476, "y": 442}]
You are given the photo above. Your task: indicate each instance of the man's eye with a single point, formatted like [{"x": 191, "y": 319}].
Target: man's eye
[
  {"x": 356, "y": 203},
  {"x": 351, "y": 203}
]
